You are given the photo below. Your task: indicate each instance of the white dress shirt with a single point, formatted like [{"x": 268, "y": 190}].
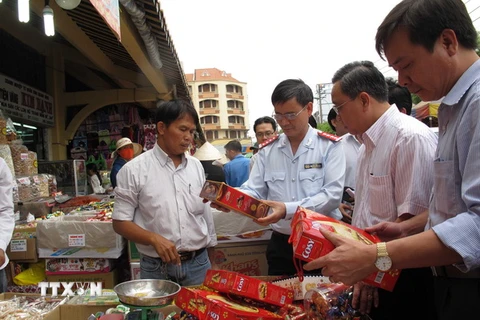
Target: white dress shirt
[
  {"x": 312, "y": 177},
  {"x": 163, "y": 199},
  {"x": 7, "y": 218},
  {"x": 395, "y": 169},
  {"x": 351, "y": 146}
]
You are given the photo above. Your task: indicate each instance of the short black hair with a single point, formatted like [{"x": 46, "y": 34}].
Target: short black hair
[
  {"x": 399, "y": 95},
  {"x": 425, "y": 20},
  {"x": 331, "y": 116},
  {"x": 312, "y": 122},
  {"x": 234, "y": 145},
  {"x": 265, "y": 119},
  {"x": 169, "y": 111},
  {"x": 292, "y": 88},
  {"x": 362, "y": 76}
]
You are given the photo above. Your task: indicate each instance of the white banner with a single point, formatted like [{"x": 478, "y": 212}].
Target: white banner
[{"x": 20, "y": 101}]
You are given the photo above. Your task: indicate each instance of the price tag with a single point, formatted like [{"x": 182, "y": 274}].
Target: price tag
[
  {"x": 19, "y": 245},
  {"x": 23, "y": 156},
  {"x": 76, "y": 240},
  {"x": 36, "y": 179},
  {"x": 24, "y": 181}
]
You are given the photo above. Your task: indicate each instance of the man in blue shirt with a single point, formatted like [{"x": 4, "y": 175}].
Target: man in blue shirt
[{"x": 237, "y": 170}]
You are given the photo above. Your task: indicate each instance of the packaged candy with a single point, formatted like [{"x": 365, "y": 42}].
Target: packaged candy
[{"x": 331, "y": 302}]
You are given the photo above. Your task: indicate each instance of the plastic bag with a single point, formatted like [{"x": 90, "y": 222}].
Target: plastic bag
[{"x": 33, "y": 275}]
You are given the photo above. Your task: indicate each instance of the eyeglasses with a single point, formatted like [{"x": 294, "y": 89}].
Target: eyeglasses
[
  {"x": 337, "y": 108},
  {"x": 289, "y": 116},
  {"x": 266, "y": 134}
]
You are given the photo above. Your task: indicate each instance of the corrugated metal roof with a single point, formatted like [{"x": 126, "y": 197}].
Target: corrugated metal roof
[{"x": 90, "y": 21}]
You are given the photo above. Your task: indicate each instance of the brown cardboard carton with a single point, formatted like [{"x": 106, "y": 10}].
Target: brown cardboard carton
[
  {"x": 247, "y": 258},
  {"x": 109, "y": 279},
  {"x": 52, "y": 315},
  {"x": 24, "y": 250}
]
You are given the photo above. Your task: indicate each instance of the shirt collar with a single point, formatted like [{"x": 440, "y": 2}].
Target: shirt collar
[
  {"x": 162, "y": 157},
  {"x": 376, "y": 130},
  {"x": 307, "y": 140},
  {"x": 463, "y": 84}
]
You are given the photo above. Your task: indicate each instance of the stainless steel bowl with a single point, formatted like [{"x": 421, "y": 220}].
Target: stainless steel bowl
[{"x": 147, "y": 292}]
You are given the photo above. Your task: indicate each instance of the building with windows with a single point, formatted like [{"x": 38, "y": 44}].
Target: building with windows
[{"x": 221, "y": 102}]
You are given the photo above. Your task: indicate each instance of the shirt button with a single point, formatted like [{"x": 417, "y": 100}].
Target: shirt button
[
  {"x": 294, "y": 161},
  {"x": 293, "y": 179},
  {"x": 293, "y": 198}
]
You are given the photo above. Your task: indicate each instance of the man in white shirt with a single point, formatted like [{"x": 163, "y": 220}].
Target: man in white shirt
[
  {"x": 7, "y": 219},
  {"x": 394, "y": 174},
  {"x": 157, "y": 203}
]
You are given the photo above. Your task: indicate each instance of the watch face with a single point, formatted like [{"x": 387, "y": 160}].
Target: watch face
[{"x": 383, "y": 263}]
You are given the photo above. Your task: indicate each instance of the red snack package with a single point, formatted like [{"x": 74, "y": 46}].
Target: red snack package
[
  {"x": 309, "y": 243},
  {"x": 245, "y": 286}
]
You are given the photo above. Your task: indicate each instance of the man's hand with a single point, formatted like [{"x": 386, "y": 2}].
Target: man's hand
[
  {"x": 279, "y": 212},
  {"x": 211, "y": 257},
  {"x": 350, "y": 262},
  {"x": 364, "y": 296},
  {"x": 346, "y": 211},
  {"x": 387, "y": 231},
  {"x": 2, "y": 257},
  {"x": 166, "y": 250}
]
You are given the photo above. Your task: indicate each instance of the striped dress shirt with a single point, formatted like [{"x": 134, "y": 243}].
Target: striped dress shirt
[{"x": 395, "y": 169}]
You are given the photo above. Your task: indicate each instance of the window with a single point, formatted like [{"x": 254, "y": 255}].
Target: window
[
  {"x": 208, "y": 104},
  {"x": 209, "y": 120},
  {"x": 234, "y": 104},
  {"x": 207, "y": 87},
  {"x": 236, "y": 120},
  {"x": 233, "y": 134},
  {"x": 231, "y": 88}
]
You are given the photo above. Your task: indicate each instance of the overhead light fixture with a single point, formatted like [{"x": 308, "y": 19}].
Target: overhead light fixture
[
  {"x": 68, "y": 4},
  {"x": 24, "y": 10},
  {"x": 48, "y": 21}
]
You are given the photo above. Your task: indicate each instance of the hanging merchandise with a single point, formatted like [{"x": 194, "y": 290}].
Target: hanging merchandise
[
  {"x": 150, "y": 136},
  {"x": 92, "y": 142},
  {"x": 79, "y": 146},
  {"x": 101, "y": 162}
]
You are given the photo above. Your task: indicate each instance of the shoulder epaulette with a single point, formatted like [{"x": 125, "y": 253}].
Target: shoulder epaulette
[
  {"x": 269, "y": 141},
  {"x": 329, "y": 136}
]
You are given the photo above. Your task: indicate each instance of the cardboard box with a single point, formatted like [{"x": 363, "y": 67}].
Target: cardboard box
[
  {"x": 81, "y": 307},
  {"x": 78, "y": 265},
  {"x": 246, "y": 258},
  {"x": 234, "y": 199},
  {"x": 76, "y": 231},
  {"x": 135, "y": 270},
  {"x": 52, "y": 315},
  {"x": 24, "y": 250},
  {"x": 210, "y": 305},
  {"x": 112, "y": 253},
  {"x": 309, "y": 243},
  {"x": 239, "y": 284},
  {"x": 108, "y": 280}
]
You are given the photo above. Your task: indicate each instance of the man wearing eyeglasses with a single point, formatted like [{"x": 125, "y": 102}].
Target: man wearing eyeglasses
[
  {"x": 298, "y": 168},
  {"x": 394, "y": 177},
  {"x": 264, "y": 128}
]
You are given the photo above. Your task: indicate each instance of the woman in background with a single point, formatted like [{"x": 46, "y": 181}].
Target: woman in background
[{"x": 94, "y": 178}]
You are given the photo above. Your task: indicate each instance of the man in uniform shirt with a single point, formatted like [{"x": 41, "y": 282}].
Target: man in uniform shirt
[
  {"x": 157, "y": 203},
  {"x": 431, "y": 43},
  {"x": 299, "y": 168},
  {"x": 7, "y": 219},
  {"x": 264, "y": 128}
]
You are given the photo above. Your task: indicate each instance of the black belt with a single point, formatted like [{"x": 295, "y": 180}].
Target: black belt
[
  {"x": 453, "y": 272},
  {"x": 189, "y": 255}
]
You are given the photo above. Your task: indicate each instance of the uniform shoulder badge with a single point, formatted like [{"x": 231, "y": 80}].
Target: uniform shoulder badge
[
  {"x": 269, "y": 141},
  {"x": 329, "y": 136}
]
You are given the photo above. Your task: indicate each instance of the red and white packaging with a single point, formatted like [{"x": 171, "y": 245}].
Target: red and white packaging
[
  {"x": 309, "y": 243},
  {"x": 245, "y": 286},
  {"x": 206, "y": 305},
  {"x": 77, "y": 265},
  {"x": 234, "y": 199}
]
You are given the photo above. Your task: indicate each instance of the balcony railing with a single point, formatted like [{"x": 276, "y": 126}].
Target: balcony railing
[
  {"x": 205, "y": 95},
  {"x": 236, "y": 126},
  {"x": 211, "y": 126},
  {"x": 235, "y": 111},
  {"x": 209, "y": 111},
  {"x": 233, "y": 95}
]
